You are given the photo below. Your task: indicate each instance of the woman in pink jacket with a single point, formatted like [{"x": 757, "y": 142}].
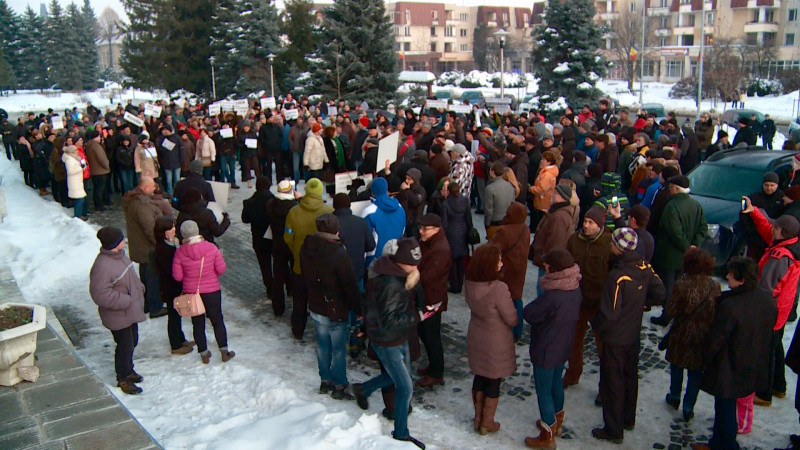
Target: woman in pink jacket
[{"x": 193, "y": 257}]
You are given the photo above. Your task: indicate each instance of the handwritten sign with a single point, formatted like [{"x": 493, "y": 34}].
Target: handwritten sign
[
  {"x": 250, "y": 143},
  {"x": 152, "y": 110},
  {"x": 461, "y": 109},
  {"x": 58, "y": 124},
  {"x": 241, "y": 111},
  {"x": 150, "y": 152},
  {"x": 268, "y": 103},
  {"x": 436, "y": 104},
  {"x": 167, "y": 144},
  {"x": 332, "y": 111},
  {"x": 226, "y": 105},
  {"x": 214, "y": 109},
  {"x": 133, "y": 119},
  {"x": 290, "y": 114},
  {"x": 387, "y": 149},
  {"x": 226, "y": 133},
  {"x": 241, "y": 104}
]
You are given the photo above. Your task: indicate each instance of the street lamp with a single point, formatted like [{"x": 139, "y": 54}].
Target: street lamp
[
  {"x": 213, "y": 78},
  {"x": 271, "y": 56},
  {"x": 501, "y": 39}
]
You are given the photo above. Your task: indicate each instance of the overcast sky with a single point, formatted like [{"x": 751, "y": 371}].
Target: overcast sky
[{"x": 98, "y": 5}]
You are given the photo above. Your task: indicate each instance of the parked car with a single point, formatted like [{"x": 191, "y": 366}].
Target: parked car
[
  {"x": 719, "y": 183},
  {"x": 474, "y": 98},
  {"x": 655, "y": 108},
  {"x": 443, "y": 95},
  {"x": 731, "y": 117},
  {"x": 794, "y": 125}
]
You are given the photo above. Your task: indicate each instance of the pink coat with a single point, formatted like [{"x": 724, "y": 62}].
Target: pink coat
[
  {"x": 490, "y": 342},
  {"x": 186, "y": 267}
]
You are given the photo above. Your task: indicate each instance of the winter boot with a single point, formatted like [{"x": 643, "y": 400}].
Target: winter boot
[
  {"x": 226, "y": 355},
  {"x": 388, "y": 402},
  {"x": 128, "y": 387},
  {"x": 488, "y": 423},
  {"x": 206, "y": 356},
  {"x": 411, "y": 439},
  {"x": 559, "y": 423},
  {"x": 546, "y": 440},
  {"x": 477, "y": 400}
]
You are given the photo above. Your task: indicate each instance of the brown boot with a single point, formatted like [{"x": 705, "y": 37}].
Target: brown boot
[
  {"x": 488, "y": 423},
  {"x": 546, "y": 440},
  {"x": 477, "y": 400},
  {"x": 559, "y": 423}
]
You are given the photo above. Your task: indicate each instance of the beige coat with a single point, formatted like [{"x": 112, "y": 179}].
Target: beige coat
[
  {"x": 145, "y": 165},
  {"x": 206, "y": 151},
  {"x": 315, "y": 155},
  {"x": 72, "y": 161}
]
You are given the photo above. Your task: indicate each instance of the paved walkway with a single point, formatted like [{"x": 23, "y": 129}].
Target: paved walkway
[{"x": 68, "y": 407}]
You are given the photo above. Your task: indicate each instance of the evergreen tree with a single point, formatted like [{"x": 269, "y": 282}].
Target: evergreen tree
[
  {"x": 8, "y": 78},
  {"x": 566, "y": 51},
  {"x": 9, "y": 39},
  {"x": 223, "y": 37},
  {"x": 32, "y": 41},
  {"x": 291, "y": 81},
  {"x": 297, "y": 26},
  {"x": 88, "y": 36},
  {"x": 143, "y": 43},
  {"x": 62, "y": 47},
  {"x": 354, "y": 58}
]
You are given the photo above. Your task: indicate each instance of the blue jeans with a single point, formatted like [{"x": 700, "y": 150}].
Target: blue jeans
[
  {"x": 127, "y": 176},
  {"x": 517, "y": 330},
  {"x": 676, "y": 384},
  {"x": 207, "y": 173},
  {"x": 397, "y": 362},
  {"x": 331, "y": 349},
  {"x": 725, "y": 425},
  {"x": 549, "y": 392},
  {"x": 171, "y": 177},
  {"x": 297, "y": 165},
  {"x": 227, "y": 163},
  {"x": 81, "y": 208}
]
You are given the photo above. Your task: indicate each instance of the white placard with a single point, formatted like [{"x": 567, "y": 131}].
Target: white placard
[
  {"x": 226, "y": 105},
  {"x": 387, "y": 149},
  {"x": 152, "y": 110},
  {"x": 365, "y": 105},
  {"x": 268, "y": 103},
  {"x": 133, "y": 119},
  {"x": 167, "y": 144},
  {"x": 241, "y": 111},
  {"x": 241, "y": 104},
  {"x": 250, "y": 143},
  {"x": 290, "y": 114},
  {"x": 214, "y": 109},
  {"x": 343, "y": 180},
  {"x": 268, "y": 234},
  {"x": 226, "y": 133},
  {"x": 461, "y": 109},
  {"x": 436, "y": 104},
  {"x": 221, "y": 191},
  {"x": 57, "y": 123},
  {"x": 150, "y": 152},
  {"x": 475, "y": 145},
  {"x": 359, "y": 207},
  {"x": 332, "y": 111},
  {"x": 502, "y": 109},
  {"x": 478, "y": 118},
  {"x": 218, "y": 211}
]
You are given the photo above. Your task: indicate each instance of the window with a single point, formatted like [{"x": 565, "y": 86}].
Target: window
[
  {"x": 526, "y": 19},
  {"x": 433, "y": 31},
  {"x": 755, "y": 16},
  {"x": 449, "y": 31},
  {"x": 649, "y": 68},
  {"x": 709, "y": 39},
  {"x": 710, "y": 18},
  {"x": 492, "y": 17},
  {"x": 633, "y": 7},
  {"x": 664, "y": 22},
  {"x": 690, "y": 22},
  {"x": 448, "y": 47},
  {"x": 433, "y": 46},
  {"x": 674, "y": 69},
  {"x": 505, "y": 19},
  {"x": 464, "y": 47},
  {"x": 752, "y": 38},
  {"x": 769, "y": 16},
  {"x": 791, "y": 15},
  {"x": 406, "y": 46},
  {"x": 397, "y": 31},
  {"x": 406, "y": 31},
  {"x": 463, "y": 32},
  {"x": 686, "y": 2},
  {"x": 435, "y": 15},
  {"x": 662, "y": 42},
  {"x": 464, "y": 17},
  {"x": 769, "y": 38},
  {"x": 789, "y": 40},
  {"x": 693, "y": 69},
  {"x": 663, "y": 3},
  {"x": 448, "y": 14},
  {"x": 687, "y": 39}
]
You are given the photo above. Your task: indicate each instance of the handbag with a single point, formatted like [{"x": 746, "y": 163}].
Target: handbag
[
  {"x": 473, "y": 237},
  {"x": 190, "y": 305}
]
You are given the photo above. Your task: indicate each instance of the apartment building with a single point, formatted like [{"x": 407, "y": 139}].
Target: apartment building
[
  {"x": 438, "y": 37},
  {"x": 681, "y": 24}
]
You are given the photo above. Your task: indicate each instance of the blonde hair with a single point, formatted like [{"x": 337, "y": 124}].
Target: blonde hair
[{"x": 509, "y": 176}]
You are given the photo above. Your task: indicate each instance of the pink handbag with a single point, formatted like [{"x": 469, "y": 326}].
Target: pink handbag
[{"x": 190, "y": 305}]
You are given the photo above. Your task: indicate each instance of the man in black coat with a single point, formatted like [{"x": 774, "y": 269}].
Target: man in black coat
[
  {"x": 770, "y": 200},
  {"x": 744, "y": 133},
  {"x": 631, "y": 284},
  {"x": 737, "y": 349},
  {"x": 254, "y": 212},
  {"x": 194, "y": 180},
  {"x": 768, "y": 131},
  {"x": 269, "y": 147},
  {"x": 282, "y": 258},
  {"x": 195, "y": 208},
  {"x": 354, "y": 233},
  {"x": 427, "y": 175}
]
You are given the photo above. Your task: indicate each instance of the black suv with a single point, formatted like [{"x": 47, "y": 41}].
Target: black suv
[{"x": 719, "y": 183}]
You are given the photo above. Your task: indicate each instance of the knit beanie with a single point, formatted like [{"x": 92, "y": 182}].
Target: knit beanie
[
  {"x": 408, "y": 252},
  {"x": 110, "y": 237},
  {"x": 189, "y": 229},
  {"x": 341, "y": 201},
  {"x": 558, "y": 259},
  {"x": 314, "y": 187},
  {"x": 597, "y": 214},
  {"x": 565, "y": 191},
  {"x": 328, "y": 223},
  {"x": 414, "y": 174},
  {"x": 625, "y": 239}
]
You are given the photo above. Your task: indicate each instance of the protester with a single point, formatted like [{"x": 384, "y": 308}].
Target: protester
[
  {"x": 457, "y": 223},
  {"x": 282, "y": 258},
  {"x": 513, "y": 238},
  {"x": 166, "y": 245},
  {"x": 254, "y": 212}
]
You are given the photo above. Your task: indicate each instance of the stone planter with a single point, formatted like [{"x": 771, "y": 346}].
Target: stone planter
[{"x": 18, "y": 345}]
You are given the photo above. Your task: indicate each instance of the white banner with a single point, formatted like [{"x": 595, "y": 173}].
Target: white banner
[
  {"x": 57, "y": 122},
  {"x": 226, "y": 105},
  {"x": 226, "y": 132},
  {"x": 332, "y": 111},
  {"x": 241, "y": 111},
  {"x": 167, "y": 144},
  {"x": 152, "y": 110},
  {"x": 250, "y": 143},
  {"x": 290, "y": 114},
  {"x": 387, "y": 149},
  {"x": 461, "y": 109},
  {"x": 436, "y": 103},
  {"x": 133, "y": 119},
  {"x": 214, "y": 109},
  {"x": 268, "y": 103},
  {"x": 241, "y": 104}
]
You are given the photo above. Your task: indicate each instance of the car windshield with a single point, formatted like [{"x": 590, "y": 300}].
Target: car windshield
[{"x": 724, "y": 182}]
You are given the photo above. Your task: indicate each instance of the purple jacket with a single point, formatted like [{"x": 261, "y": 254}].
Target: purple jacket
[
  {"x": 116, "y": 289},
  {"x": 186, "y": 267}
]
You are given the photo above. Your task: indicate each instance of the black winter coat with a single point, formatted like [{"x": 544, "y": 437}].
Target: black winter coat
[
  {"x": 254, "y": 212},
  {"x": 170, "y": 159},
  {"x": 270, "y": 137},
  {"x": 192, "y": 181},
  {"x": 772, "y": 206},
  {"x": 388, "y": 314},
  {"x": 277, "y": 210},
  {"x": 356, "y": 237},
  {"x": 167, "y": 286},
  {"x": 456, "y": 223},
  {"x": 737, "y": 348},
  {"x": 205, "y": 218},
  {"x": 746, "y": 135},
  {"x": 329, "y": 276}
]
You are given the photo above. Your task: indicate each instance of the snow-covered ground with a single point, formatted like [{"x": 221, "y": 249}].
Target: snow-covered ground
[
  {"x": 266, "y": 397},
  {"x": 34, "y": 101}
]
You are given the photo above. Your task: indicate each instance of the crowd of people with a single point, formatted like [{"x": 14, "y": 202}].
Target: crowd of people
[{"x": 591, "y": 199}]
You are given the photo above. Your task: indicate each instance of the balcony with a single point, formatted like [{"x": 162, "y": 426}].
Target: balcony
[
  {"x": 662, "y": 32},
  {"x": 683, "y": 30},
  {"x": 660, "y": 11},
  {"x": 754, "y": 4},
  {"x": 761, "y": 27},
  {"x": 685, "y": 8},
  {"x": 491, "y": 23},
  {"x": 606, "y": 16}
]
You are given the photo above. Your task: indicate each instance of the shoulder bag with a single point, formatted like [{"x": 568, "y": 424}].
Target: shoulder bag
[{"x": 190, "y": 305}]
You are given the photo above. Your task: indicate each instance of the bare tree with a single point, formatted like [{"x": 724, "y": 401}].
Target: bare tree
[
  {"x": 626, "y": 32},
  {"x": 108, "y": 28},
  {"x": 722, "y": 65},
  {"x": 757, "y": 54}
]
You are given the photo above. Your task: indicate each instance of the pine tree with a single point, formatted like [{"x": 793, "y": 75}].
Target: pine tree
[
  {"x": 568, "y": 63},
  {"x": 223, "y": 37},
  {"x": 9, "y": 39},
  {"x": 297, "y": 26},
  {"x": 88, "y": 35},
  {"x": 290, "y": 81},
  {"x": 8, "y": 78},
  {"x": 73, "y": 49},
  {"x": 63, "y": 50},
  {"x": 143, "y": 43},
  {"x": 32, "y": 41},
  {"x": 354, "y": 57}
]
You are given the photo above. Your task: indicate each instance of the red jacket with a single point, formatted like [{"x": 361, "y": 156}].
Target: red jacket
[{"x": 785, "y": 290}]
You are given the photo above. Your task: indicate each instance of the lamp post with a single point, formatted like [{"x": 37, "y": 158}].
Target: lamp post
[
  {"x": 641, "y": 63},
  {"x": 700, "y": 62},
  {"x": 501, "y": 39},
  {"x": 271, "y": 56},
  {"x": 213, "y": 78}
]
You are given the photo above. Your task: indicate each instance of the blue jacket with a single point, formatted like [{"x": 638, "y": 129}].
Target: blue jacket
[{"x": 387, "y": 222}]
